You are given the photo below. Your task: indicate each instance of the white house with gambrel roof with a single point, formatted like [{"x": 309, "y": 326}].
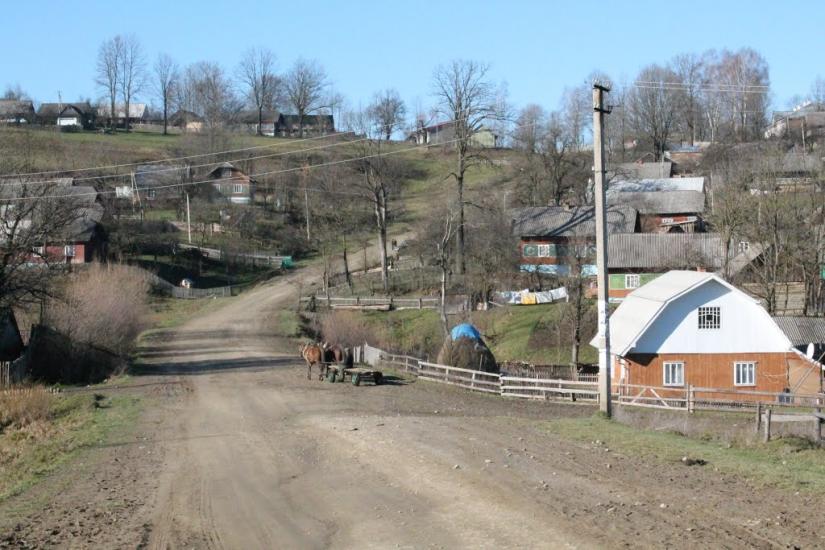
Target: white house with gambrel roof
[{"x": 693, "y": 328}]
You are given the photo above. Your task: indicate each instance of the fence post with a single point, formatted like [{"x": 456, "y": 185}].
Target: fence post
[
  {"x": 420, "y": 303},
  {"x": 691, "y": 398},
  {"x": 767, "y": 436},
  {"x": 819, "y": 421},
  {"x": 758, "y": 416},
  {"x": 473, "y": 381}
]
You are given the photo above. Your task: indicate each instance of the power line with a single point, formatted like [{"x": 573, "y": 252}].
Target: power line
[
  {"x": 178, "y": 168},
  {"x": 259, "y": 174},
  {"x": 160, "y": 161}
]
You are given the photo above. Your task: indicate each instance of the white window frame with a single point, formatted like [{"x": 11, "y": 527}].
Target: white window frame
[
  {"x": 543, "y": 251},
  {"x": 69, "y": 251},
  {"x": 151, "y": 194},
  {"x": 702, "y": 324},
  {"x": 679, "y": 368},
  {"x": 39, "y": 250},
  {"x": 237, "y": 188},
  {"x": 743, "y": 246},
  {"x": 749, "y": 368},
  {"x": 632, "y": 280}
]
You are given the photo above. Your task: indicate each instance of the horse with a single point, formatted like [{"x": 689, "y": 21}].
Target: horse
[
  {"x": 333, "y": 353},
  {"x": 313, "y": 354}
]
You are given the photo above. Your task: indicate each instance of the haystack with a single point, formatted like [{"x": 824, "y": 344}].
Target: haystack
[{"x": 464, "y": 348}]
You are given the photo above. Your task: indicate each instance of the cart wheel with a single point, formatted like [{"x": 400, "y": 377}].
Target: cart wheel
[
  {"x": 356, "y": 379},
  {"x": 379, "y": 378}
]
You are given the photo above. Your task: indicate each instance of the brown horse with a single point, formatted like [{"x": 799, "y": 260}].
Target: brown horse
[
  {"x": 313, "y": 354},
  {"x": 333, "y": 353}
]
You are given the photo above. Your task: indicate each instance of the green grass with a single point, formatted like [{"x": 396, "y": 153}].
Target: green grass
[
  {"x": 788, "y": 463},
  {"x": 32, "y": 453},
  {"x": 212, "y": 273},
  {"x": 287, "y": 324},
  {"x": 169, "y": 312}
]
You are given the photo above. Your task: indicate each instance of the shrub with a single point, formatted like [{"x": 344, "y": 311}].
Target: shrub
[
  {"x": 22, "y": 406},
  {"x": 345, "y": 328},
  {"x": 104, "y": 306}
]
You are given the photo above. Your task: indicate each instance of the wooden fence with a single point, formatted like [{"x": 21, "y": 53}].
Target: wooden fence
[
  {"x": 688, "y": 398},
  {"x": 372, "y": 302}
]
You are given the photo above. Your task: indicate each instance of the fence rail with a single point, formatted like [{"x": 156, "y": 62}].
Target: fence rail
[
  {"x": 373, "y": 301},
  {"x": 688, "y": 398}
]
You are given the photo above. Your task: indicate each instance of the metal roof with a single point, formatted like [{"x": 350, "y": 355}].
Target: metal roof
[
  {"x": 803, "y": 330},
  {"x": 561, "y": 221},
  {"x": 642, "y": 170},
  {"x": 660, "y": 202},
  {"x": 665, "y": 250},
  {"x": 658, "y": 184},
  {"x": 642, "y": 307}
]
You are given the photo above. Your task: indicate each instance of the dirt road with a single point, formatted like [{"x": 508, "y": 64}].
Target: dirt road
[{"x": 239, "y": 450}]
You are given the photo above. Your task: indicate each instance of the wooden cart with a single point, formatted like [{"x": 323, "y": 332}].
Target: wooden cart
[{"x": 339, "y": 373}]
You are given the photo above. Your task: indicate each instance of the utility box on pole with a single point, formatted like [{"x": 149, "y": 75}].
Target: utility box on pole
[{"x": 603, "y": 334}]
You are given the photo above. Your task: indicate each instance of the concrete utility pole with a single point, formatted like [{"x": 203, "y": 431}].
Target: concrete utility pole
[{"x": 603, "y": 334}]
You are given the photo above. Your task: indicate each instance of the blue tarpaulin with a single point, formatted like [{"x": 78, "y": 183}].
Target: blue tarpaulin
[{"x": 465, "y": 330}]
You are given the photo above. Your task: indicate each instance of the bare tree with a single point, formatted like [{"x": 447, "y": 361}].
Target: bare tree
[
  {"x": 108, "y": 72},
  {"x": 652, "y": 106},
  {"x": 689, "y": 70},
  {"x": 166, "y": 84},
  {"x": 387, "y": 111},
  {"x": 305, "y": 84},
  {"x": 257, "y": 72},
  {"x": 132, "y": 73},
  {"x": 15, "y": 92},
  {"x": 469, "y": 100},
  {"x": 30, "y": 221}
]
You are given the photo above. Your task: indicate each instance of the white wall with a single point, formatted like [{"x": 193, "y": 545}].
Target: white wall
[{"x": 745, "y": 326}]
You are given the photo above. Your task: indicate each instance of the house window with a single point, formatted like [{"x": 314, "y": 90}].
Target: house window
[
  {"x": 39, "y": 250},
  {"x": 744, "y": 373},
  {"x": 674, "y": 373},
  {"x": 237, "y": 188},
  {"x": 150, "y": 194},
  {"x": 710, "y": 317},
  {"x": 68, "y": 251},
  {"x": 544, "y": 251},
  {"x": 743, "y": 246},
  {"x": 631, "y": 280}
]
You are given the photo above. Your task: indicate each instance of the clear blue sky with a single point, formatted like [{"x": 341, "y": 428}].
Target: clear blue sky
[{"x": 536, "y": 47}]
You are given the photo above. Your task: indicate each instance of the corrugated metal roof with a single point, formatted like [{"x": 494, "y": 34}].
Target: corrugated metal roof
[
  {"x": 665, "y": 250},
  {"x": 560, "y": 221},
  {"x": 658, "y": 184},
  {"x": 803, "y": 330},
  {"x": 660, "y": 202}
]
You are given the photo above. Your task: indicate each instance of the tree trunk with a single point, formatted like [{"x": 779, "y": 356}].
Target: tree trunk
[
  {"x": 347, "y": 273},
  {"x": 577, "y": 320},
  {"x": 443, "y": 306},
  {"x": 126, "y": 113},
  {"x": 165, "y": 115},
  {"x": 461, "y": 264},
  {"x": 260, "y": 119}
]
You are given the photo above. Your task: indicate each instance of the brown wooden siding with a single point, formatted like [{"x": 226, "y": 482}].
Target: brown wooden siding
[{"x": 710, "y": 370}]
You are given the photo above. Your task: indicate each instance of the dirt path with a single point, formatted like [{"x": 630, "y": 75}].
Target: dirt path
[{"x": 239, "y": 450}]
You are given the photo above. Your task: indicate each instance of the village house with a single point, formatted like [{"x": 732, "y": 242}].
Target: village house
[
  {"x": 665, "y": 205},
  {"x": 155, "y": 185},
  {"x": 249, "y": 120},
  {"x": 803, "y": 122},
  {"x": 18, "y": 112},
  {"x": 807, "y": 334},
  {"x": 78, "y": 115},
  {"x": 232, "y": 184},
  {"x": 640, "y": 171},
  {"x": 138, "y": 113},
  {"x": 444, "y": 134},
  {"x": 692, "y": 328},
  {"x": 555, "y": 238},
  {"x": 311, "y": 125},
  {"x": 635, "y": 259},
  {"x": 186, "y": 121}
]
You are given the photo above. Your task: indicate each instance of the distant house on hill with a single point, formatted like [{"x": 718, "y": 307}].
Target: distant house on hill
[
  {"x": 187, "y": 121},
  {"x": 157, "y": 184},
  {"x": 138, "y": 113},
  {"x": 443, "y": 133},
  {"x": 553, "y": 238},
  {"x": 641, "y": 170},
  {"x": 664, "y": 211},
  {"x": 81, "y": 115},
  {"x": 803, "y": 122},
  {"x": 311, "y": 125},
  {"x": 269, "y": 122},
  {"x": 690, "y": 328},
  {"x": 235, "y": 186},
  {"x": 18, "y": 112}
]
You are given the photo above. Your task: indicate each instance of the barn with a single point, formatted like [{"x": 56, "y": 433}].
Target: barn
[{"x": 693, "y": 328}]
